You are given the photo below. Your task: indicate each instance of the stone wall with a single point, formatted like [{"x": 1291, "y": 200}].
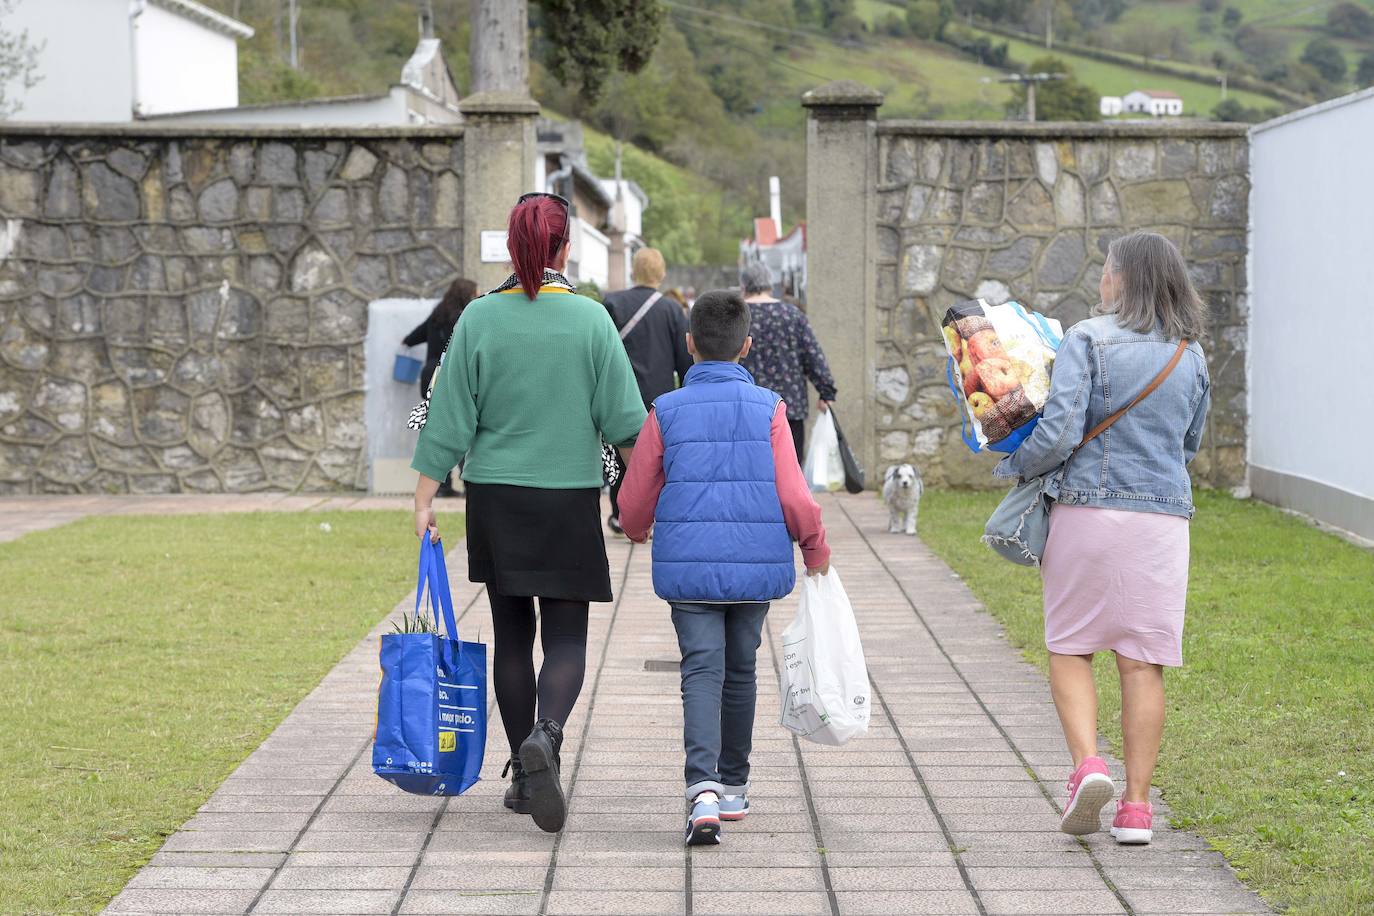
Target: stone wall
[
  {"x": 1026, "y": 212},
  {"x": 185, "y": 310}
]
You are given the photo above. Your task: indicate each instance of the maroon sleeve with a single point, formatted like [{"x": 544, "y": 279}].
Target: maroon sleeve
[
  {"x": 799, "y": 508},
  {"x": 643, "y": 482}
]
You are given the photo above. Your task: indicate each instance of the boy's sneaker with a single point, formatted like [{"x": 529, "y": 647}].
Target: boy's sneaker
[
  {"x": 1133, "y": 822},
  {"x": 734, "y": 807},
  {"x": 613, "y": 523},
  {"x": 703, "y": 824},
  {"x": 1090, "y": 787}
]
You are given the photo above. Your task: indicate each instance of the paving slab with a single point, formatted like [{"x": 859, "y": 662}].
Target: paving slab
[{"x": 949, "y": 805}]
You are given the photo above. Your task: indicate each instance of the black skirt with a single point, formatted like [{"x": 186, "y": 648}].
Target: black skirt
[{"x": 524, "y": 541}]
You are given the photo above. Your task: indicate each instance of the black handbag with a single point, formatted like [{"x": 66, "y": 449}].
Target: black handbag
[{"x": 853, "y": 471}]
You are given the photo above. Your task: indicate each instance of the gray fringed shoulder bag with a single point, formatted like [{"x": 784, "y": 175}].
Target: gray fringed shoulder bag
[{"x": 1020, "y": 525}]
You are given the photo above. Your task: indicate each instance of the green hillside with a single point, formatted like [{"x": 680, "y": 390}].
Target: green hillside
[
  {"x": 1119, "y": 79},
  {"x": 715, "y": 111}
]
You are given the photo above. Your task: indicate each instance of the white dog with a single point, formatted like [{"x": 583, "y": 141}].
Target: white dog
[{"x": 902, "y": 488}]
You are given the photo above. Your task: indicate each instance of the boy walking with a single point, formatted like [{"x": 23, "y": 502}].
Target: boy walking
[{"x": 715, "y": 475}]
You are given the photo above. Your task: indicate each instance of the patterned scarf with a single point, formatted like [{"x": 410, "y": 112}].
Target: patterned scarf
[{"x": 551, "y": 278}]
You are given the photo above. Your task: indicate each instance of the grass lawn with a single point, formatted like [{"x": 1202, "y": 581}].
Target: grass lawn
[
  {"x": 1269, "y": 743},
  {"x": 1118, "y": 79},
  {"x": 143, "y": 658}
]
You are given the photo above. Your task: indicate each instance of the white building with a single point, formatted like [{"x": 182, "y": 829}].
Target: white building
[
  {"x": 607, "y": 228},
  {"x": 426, "y": 94},
  {"x": 1110, "y": 105},
  {"x": 1310, "y": 238},
  {"x": 1155, "y": 102},
  {"x": 115, "y": 60},
  {"x": 785, "y": 256}
]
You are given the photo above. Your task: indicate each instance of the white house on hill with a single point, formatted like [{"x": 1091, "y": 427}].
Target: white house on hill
[
  {"x": 116, "y": 60},
  {"x": 1155, "y": 102},
  {"x": 426, "y": 94},
  {"x": 1110, "y": 105}
]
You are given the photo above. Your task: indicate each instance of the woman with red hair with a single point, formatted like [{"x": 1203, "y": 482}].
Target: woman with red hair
[{"x": 534, "y": 379}]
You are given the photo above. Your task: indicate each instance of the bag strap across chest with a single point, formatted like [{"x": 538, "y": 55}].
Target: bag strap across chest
[
  {"x": 1164, "y": 373},
  {"x": 638, "y": 316}
]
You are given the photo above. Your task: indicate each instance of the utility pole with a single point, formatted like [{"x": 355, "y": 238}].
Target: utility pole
[
  {"x": 1030, "y": 81},
  {"x": 292, "y": 16},
  {"x": 1223, "y": 85},
  {"x": 498, "y": 51}
]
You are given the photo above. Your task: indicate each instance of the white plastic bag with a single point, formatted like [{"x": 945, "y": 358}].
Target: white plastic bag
[
  {"x": 825, "y": 680},
  {"x": 824, "y": 470}
]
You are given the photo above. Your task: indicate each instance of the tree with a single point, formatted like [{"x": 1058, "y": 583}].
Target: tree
[
  {"x": 1231, "y": 17},
  {"x": 1326, "y": 59},
  {"x": 1349, "y": 20},
  {"x": 1235, "y": 110},
  {"x": 587, "y": 40},
  {"x": 1261, "y": 46},
  {"x": 18, "y": 62},
  {"x": 1210, "y": 6},
  {"x": 1364, "y": 75},
  {"x": 928, "y": 18},
  {"x": 1058, "y": 100}
]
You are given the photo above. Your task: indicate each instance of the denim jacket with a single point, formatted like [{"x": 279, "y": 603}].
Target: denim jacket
[{"x": 1141, "y": 462}]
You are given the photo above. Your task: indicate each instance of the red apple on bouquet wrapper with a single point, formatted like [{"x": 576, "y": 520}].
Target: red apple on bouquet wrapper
[{"x": 1003, "y": 355}]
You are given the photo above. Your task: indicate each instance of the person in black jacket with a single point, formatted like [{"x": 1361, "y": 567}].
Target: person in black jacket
[
  {"x": 435, "y": 330},
  {"x": 656, "y": 342},
  {"x": 434, "y": 333}
]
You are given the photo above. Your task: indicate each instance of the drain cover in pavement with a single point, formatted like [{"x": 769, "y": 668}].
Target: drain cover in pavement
[{"x": 660, "y": 664}]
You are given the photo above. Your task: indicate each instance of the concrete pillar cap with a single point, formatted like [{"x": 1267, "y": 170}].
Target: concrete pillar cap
[
  {"x": 842, "y": 94},
  {"x": 498, "y": 103}
]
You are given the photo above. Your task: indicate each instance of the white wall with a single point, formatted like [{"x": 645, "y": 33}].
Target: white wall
[
  {"x": 387, "y": 402},
  {"x": 85, "y": 63},
  {"x": 360, "y": 112},
  {"x": 593, "y": 251},
  {"x": 179, "y": 64},
  {"x": 1312, "y": 311}
]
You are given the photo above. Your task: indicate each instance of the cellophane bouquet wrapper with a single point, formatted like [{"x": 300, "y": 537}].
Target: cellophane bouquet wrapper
[{"x": 1000, "y": 357}]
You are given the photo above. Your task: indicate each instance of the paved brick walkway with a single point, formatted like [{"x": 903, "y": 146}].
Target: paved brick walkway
[
  {"x": 20, "y": 515},
  {"x": 948, "y": 805}
]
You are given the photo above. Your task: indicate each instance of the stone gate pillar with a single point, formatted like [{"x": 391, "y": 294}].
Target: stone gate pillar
[
  {"x": 841, "y": 243},
  {"x": 498, "y": 166}
]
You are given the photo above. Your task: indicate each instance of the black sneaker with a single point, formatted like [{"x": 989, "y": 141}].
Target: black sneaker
[
  {"x": 613, "y": 523},
  {"x": 539, "y": 757},
  {"x": 518, "y": 795}
]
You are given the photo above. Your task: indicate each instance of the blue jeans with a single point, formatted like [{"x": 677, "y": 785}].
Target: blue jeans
[{"x": 718, "y": 643}]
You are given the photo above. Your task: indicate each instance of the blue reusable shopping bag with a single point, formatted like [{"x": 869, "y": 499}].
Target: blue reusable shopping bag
[{"x": 432, "y": 703}]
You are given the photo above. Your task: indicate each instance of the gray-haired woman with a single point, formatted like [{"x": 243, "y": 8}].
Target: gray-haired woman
[
  {"x": 1115, "y": 569},
  {"x": 785, "y": 354}
]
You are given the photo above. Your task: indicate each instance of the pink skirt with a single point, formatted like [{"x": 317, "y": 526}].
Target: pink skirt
[{"x": 1116, "y": 580}]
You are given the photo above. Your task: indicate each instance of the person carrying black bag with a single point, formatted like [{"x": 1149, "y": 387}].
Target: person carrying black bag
[{"x": 654, "y": 330}]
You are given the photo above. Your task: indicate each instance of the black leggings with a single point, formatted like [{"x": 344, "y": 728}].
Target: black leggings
[{"x": 563, "y": 630}]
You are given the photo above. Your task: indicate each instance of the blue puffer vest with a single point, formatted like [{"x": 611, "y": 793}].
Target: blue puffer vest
[{"x": 719, "y": 534}]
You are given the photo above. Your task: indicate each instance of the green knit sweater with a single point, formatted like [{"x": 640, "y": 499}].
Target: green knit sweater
[{"x": 527, "y": 391}]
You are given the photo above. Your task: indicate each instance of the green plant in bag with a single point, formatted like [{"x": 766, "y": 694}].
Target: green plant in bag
[{"x": 414, "y": 623}]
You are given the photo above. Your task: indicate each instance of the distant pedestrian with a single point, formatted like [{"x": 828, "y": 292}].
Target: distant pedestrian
[
  {"x": 654, "y": 329},
  {"x": 434, "y": 332},
  {"x": 535, "y": 379},
  {"x": 786, "y": 353},
  {"x": 1115, "y": 567},
  {"x": 714, "y": 464}
]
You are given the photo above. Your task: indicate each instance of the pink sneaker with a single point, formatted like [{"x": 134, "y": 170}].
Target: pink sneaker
[
  {"x": 1089, "y": 789},
  {"x": 1132, "y": 823}
]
